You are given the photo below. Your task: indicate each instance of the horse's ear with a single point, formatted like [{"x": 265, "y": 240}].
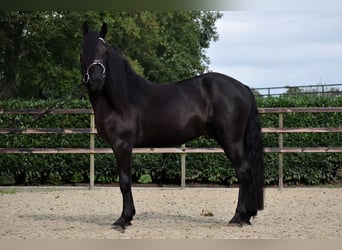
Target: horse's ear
[
  {"x": 85, "y": 27},
  {"x": 103, "y": 31}
]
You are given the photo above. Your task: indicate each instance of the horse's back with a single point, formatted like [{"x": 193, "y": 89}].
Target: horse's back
[
  {"x": 224, "y": 95},
  {"x": 223, "y": 85},
  {"x": 180, "y": 111}
]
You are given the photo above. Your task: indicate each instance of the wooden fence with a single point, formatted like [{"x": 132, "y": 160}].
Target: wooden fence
[{"x": 183, "y": 150}]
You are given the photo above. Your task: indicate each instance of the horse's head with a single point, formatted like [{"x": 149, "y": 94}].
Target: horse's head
[{"x": 93, "y": 57}]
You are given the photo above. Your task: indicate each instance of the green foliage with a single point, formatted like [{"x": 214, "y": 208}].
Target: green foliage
[
  {"x": 55, "y": 179},
  {"x": 168, "y": 45},
  {"x": 145, "y": 179},
  {"x": 6, "y": 180},
  {"x": 301, "y": 168},
  {"x": 77, "y": 178},
  {"x": 7, "y": 191},
  {"x": 311, "y": 169},
  {"x": 40, "y": 49}
]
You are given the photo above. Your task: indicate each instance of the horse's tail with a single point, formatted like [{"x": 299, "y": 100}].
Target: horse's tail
[{"x": 255, "y": 156}]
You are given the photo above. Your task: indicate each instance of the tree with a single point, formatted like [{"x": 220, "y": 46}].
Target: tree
[
  {"x": 165, "y": 46},
  {"x": 40, "y": 50},
  {"x": 12, "y": 27},
  {"x": 293, "y": 90},
  {"x": 50, "y": 66},
  {"x": 40, "y": 54}
]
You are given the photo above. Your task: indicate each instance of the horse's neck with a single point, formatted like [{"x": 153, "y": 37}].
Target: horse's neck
[{"x": 98, "y": 101}]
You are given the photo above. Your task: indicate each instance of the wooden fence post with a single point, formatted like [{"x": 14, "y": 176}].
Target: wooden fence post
[
  {"x": 280, "y": 154},
  {"x": 92, "y": 156},
  {"x": 183, "y": 168}
]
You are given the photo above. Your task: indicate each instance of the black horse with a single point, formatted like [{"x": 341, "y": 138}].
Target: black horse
[{"x": 133, "y": 112}]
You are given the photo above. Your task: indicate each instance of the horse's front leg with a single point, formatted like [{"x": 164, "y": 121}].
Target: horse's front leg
[{"x": 123, "y": 154}]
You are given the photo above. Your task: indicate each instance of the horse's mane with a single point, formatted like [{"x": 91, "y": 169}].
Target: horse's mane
[{"x": 123, "y": 85}]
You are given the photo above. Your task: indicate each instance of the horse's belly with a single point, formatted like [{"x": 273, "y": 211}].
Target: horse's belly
[{"x": 167, "y": 137}]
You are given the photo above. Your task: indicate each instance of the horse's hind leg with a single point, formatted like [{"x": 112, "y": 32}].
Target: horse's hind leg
[
  {"x": 243, "y": 213},
  {"x": 235, "y": 152}
]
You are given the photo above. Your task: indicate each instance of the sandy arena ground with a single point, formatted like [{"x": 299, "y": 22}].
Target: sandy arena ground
[{"x": 298, "y": 213}]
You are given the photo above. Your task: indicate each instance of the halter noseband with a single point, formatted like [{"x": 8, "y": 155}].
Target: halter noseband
[{"x": 86, "y": 76}]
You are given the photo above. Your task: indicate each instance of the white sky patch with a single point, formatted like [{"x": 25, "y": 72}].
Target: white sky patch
[{"x": 279, "y": 48}]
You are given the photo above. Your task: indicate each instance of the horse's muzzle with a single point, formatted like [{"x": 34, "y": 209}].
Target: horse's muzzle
[
  {"x": 97, "y": 79},
  {"x": 96, "y": 82}
]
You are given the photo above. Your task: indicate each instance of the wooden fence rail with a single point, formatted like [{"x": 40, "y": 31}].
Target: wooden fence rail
[{"x": 183, "y": 150}]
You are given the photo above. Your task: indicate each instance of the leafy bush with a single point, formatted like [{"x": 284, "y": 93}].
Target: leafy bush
[{"x": 58, "y": 169}]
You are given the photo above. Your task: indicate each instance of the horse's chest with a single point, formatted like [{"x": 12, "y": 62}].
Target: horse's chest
[
  {"x": 105, "y": 127},
  {"x": 113, "y": 127}
]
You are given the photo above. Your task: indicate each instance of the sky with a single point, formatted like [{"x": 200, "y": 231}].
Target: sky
[{"x": 279, "y": 48}]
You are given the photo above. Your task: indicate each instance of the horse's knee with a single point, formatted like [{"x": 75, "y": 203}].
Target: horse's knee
[{"x": 125, "y": 183}]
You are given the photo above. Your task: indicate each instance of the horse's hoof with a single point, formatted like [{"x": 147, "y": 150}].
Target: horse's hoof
[
  {"x": 240, "y": 224},
  {"x": 234, "y": 224},
  {"x": 119, "y": 228},
  {"x": 127, "y": 224},
  {"x": 246, "y": 223}
]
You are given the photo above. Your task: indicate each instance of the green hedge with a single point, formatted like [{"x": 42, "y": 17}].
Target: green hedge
[
  {"x": 304, "y": 168},
  {"x": 301, "y": 168}
]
